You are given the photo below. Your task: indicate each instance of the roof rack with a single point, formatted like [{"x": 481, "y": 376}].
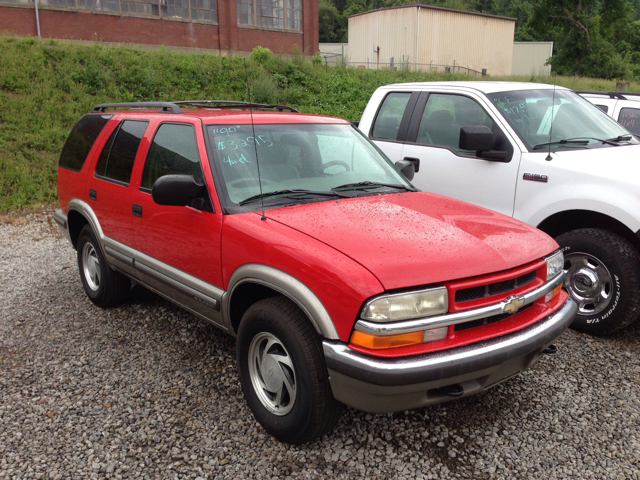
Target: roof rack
[
  {"x": 173, "y": 107},
  {"x": 233, "y": 104},
  {"x": 167, "y": 107},
  {"x": 618, "y": 95}
]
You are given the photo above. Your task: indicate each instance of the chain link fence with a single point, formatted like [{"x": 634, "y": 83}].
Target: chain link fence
[{"x": 331, "y": 58}]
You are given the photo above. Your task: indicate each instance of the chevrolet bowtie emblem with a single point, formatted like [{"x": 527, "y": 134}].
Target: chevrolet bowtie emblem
[{"x": 512, "y": 304}]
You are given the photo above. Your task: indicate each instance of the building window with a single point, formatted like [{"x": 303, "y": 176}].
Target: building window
[
  {"x": 280, "y": 14},
  {"x": 195, "y": 10}
]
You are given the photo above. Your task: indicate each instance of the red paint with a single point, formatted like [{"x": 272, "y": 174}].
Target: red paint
[
  {"x": 420, "y": 238},
  {"x": 344, "y": 251}
]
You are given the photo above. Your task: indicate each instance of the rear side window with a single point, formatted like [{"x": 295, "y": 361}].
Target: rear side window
[
  {"x": 119, "y": 153},
  {"x": 174, "y": 151},
  {"x": 387, "y": 122},
  {"x": 629, "y": 118},
  {"x": 81, "y": 139}
]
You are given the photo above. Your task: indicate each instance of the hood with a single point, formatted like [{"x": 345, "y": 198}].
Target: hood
[
  {"x": 418, "y": 238},
  {"x": 617, "y": 164}
]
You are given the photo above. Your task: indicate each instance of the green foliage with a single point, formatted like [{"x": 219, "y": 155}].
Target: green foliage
[
  {"x": 591, "y": 37},
  {"x": 260, "y": 55},
  {"x": 46, "y": 85}
]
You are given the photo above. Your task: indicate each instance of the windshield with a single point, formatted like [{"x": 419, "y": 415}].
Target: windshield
[
  {"x": 299, "y": 163},
  {"x": 567, "y": 121}
]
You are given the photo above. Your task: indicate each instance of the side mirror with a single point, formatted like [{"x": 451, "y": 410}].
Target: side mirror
[
  {"x": 479, "y": 138},
  {"x": 476, "y": 137},
  {"x": 177, "y": 190},
  {"x": 407, "y": 168}
]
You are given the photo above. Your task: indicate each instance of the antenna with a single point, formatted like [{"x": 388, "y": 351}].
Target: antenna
[
  {"x": 553, "y": 107},
  {"x": 253, "y": 130}
]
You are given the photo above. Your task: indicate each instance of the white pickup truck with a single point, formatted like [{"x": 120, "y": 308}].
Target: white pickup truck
[{"x": 540, "y": 154}]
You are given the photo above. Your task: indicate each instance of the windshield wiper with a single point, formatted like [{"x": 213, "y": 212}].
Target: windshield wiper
[
  {"x": 367, "y": 184},
  {"x": 608, "y": 142},
  {"x": 620, "y": 138},
  {"x": 288, "y": 193},
  {"x": 561, "y": 142}
]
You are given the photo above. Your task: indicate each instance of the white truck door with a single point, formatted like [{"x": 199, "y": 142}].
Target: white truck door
[{"x": 433, "y": 138}]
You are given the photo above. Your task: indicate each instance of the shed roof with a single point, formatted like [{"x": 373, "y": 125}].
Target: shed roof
[{"x": 432, "y": 7}]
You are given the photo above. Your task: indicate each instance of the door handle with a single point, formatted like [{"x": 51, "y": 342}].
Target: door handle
[
  {"x": 415, "y": 161},
  {"x": 92, "y": 194},
  {"x": 137, "y": 210}
]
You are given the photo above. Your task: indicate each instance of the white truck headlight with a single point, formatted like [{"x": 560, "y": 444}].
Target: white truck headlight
[
  {"x": 555, "y": 264},
  {"x": 405, "y": 306}
]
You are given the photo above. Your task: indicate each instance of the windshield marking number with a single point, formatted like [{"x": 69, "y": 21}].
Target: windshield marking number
[
  {"x": 242, "y": 143},
  {"x": 241, "y": 159}
]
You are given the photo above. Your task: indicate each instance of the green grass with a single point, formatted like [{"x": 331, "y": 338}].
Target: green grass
[{"x": 46, "y": 85}]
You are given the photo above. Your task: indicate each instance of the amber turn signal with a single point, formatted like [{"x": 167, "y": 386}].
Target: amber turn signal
[
  {"x": 377, "y": 342},
  {"x": 553, "y": 294}
]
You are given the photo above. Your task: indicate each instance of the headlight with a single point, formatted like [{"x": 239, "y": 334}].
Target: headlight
[
  {"x": 404, "y": 306},
  {"x": 555, "y": 264}
]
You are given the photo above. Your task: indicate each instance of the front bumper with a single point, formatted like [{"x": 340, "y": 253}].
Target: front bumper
[{"x": 380, "y": 385}]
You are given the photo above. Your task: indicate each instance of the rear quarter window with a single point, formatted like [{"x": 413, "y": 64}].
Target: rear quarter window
[
  {"x": 629, "y": 118},
  {"x": 81, "y": 139},
  {"x": 387, "y": 122}
]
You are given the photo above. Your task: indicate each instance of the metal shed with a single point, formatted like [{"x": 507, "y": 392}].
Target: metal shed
[
  {"x": 427, "y": 37},
  {"x": 530, "y": 58}
]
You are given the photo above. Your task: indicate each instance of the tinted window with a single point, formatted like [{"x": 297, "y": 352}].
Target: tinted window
[
  {"x": 101, "y": 168},
  {"x": 445, "y": 115},
  {"x": 120, "y": 151},
  {"x": 174, "y": 151},
  {"x": 81, "y": 139},
  {"x": 604, "y": 108},
  {"x": 387, "y": 122},
  {"x": 630, "y": 119}
]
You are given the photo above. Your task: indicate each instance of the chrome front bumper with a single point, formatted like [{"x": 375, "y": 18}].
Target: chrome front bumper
[{"x": 379, "y": 384}]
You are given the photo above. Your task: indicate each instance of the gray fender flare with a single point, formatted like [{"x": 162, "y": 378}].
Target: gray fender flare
[
  {"x": 83, "y": 208},
  {"x": 288, "y": 286}
]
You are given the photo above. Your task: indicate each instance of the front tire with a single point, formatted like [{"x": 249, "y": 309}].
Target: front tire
[
  {"x": 283, "y": 373},
  {"x": 602, "y": 274},
  {"x": 104, "y": 286}
]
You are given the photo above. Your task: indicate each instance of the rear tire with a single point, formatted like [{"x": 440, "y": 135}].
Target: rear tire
[
  {"x": 602, "y": 274},
  {"x": 104, "y": 286},
  {"x": 283, "y": 373}
]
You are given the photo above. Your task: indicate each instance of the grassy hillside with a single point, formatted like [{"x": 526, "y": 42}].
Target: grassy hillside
[{"x": 46, "y": 85}]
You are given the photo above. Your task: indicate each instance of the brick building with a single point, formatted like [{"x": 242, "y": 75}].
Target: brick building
[{"x": 225, "y": 25}]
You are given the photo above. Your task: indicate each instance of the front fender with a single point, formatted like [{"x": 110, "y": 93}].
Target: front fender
[{"x": 288, "y": 286}]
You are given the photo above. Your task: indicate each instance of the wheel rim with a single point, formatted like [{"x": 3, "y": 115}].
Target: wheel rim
[
  {"x": 589, "y": 282},
  {"x": 272, "y": 374},
  {"x": 91, "y": 266}
]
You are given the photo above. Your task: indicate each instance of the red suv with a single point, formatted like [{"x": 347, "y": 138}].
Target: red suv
[{"x": 341, "y": 281}]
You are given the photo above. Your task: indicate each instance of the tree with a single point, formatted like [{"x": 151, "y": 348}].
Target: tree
[
  {"x": 333, "y": 25},
  {"x": 580, "y": 30}
]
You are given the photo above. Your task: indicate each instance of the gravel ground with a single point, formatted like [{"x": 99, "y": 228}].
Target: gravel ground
[{"x": 146, "y": 390}]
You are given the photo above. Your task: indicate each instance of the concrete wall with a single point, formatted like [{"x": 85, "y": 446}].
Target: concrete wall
[
  {"x": 430, "y": 36},
  {"x": 226, "y": 35},
  {"x": 529, "y": 58}
]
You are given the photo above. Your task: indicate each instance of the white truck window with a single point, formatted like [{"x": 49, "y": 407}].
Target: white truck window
[
  {"x": 444, "y": 116},
  {"x": 387, "y": 122}
]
